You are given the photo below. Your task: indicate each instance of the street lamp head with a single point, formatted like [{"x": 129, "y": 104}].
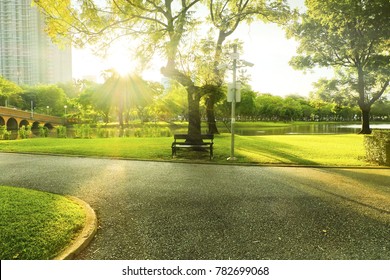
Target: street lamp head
[
  {"x": 247, "y": 63},
  {"x": 222, "y": 67}
]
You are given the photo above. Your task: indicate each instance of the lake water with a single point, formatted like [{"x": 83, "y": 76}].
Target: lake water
[{"x": 307, "y": 129}]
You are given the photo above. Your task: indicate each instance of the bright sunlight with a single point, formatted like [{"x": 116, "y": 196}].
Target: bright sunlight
[{"x": 119, "y": 58}]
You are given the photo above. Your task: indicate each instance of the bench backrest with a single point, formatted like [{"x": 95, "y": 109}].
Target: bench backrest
[{"x": 185, "y": 136}]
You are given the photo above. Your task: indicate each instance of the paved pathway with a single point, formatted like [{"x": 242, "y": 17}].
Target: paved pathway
[{"x": 155, "y": 210}]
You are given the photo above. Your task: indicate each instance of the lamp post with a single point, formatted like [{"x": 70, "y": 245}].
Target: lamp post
[
  {"x": 65, "y": 107},
  {"x": 47, "y": 110},
  {"x": 233, "y": 93},
  {"x": 32, "y": 109},
  {"x": 234, "y": 56}
]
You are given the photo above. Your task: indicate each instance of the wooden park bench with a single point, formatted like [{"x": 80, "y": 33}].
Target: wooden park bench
[{"x": 180, "y": 141}]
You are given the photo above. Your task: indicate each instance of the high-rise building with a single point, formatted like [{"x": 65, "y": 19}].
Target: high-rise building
[{"x": 27, "y": 55}]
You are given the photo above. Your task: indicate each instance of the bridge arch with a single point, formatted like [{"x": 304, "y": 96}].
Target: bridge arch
[
  {"x": 35, "y": 125},
  {"x": 24, "y": 123},
  {"x": 12, "y": 124},
  {"x": 49, "y": 126},
  {"x": 2, "y": 121}
]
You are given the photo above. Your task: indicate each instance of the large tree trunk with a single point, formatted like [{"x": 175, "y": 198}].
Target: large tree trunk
[
  {"x": 211, "y": 99},
  {"x": 212, "y": 124},
  {"x": 364, "y": 106},
  {"x": 194, "y": 122},
  {"x": 365, "y": 120},
  {"x": 193, "y": 96}
]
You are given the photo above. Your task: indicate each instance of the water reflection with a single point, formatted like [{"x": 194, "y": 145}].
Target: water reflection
[{"x": 306, "y": 129}]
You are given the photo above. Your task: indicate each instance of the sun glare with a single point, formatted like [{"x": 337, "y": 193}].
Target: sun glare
[
  {"x": 119, "y": 58},
  {"x": 121, "y": 63}
]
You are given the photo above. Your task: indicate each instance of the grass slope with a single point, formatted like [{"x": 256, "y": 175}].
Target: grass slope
[{"x": 36, "y": 225}]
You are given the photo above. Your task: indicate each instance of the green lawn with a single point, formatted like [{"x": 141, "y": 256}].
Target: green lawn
[
  {"x": 337, "y": 150},
  {"x": 36, "y": 225}
]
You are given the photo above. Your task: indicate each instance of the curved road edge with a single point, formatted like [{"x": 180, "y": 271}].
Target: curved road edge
[{"x": 85, "y": 236}]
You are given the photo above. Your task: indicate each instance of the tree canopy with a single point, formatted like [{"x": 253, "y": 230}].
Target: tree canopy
[
  {"x": 352, "y": 36},
  {"x": 8, "y": 91},
  {"x": 164, "y": 28}
]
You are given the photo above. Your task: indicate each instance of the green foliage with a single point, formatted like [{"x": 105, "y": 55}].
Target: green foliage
[
  {"x": 381, "y": 110},
  {"x": 61, "y": 131},
  {"x": 3, "y": 129},
  {"x": 36, "y": 225},
  {"x": 152, "y": 131},
  {"x": 43, "y": 96},
  {"x": 82, "y": 131},
  {"x": 123, "y": 93},
  {"x": 341, "y": 33},
  {"x": 43, "y": 131},
  {"x": 163, "y": 28},
  {"x": 9, "y": 93},
  {"x": 94, "y": 100},
  {"x": 353, "y": 37},
  {"x": 4, "y": 134},
  {"x": 377, "y": 147},
  {"x": 247, "y": 107},
  {"x": 8, "y": 88},
  {"x": 172, "y": 104},
  {"x": 103, "y": 132},
  {"x": 72, "y": 89},
  {"x": 24, "y": 132}
]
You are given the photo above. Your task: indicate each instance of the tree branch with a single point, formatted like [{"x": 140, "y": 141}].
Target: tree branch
[{"x": 378, "y": 95}]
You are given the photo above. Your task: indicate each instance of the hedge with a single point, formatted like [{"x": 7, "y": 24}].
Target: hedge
[{"x": 377, "y": 146}]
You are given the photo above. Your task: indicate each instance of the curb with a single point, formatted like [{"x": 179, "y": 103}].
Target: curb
[{"x": 85, "y": 236}]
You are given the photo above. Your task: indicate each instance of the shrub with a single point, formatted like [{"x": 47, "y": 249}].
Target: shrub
[
  {"x": 152, "y": 131},
  {"x": 165, "y": 132},
  {"x": 61, "y": 131},
  {"x": 24, "y": 132},
  {"x": 102, "y": 132},
  {"x": 4, "y": 133},
  {"x": 77, "y": 131},
  {"x": 138, "y": 132},
  {"x": 377, "y": 146},
  {"x": 7, "y": 135},
  {"x": 86, "y": 131},
  {"x": 3, "y": 130},
  {"x": 126, "y": 132},
  {"x": 82, "y": 131},
  {"x": 43, "y": 131}
]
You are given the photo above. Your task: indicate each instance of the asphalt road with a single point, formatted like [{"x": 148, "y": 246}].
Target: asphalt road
[{"x": 163, "y": 210}]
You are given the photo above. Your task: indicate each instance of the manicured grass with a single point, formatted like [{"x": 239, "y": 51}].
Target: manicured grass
[
  {"x": 36, "y": 225},
  {"x": 335, "y": 150},
  {"x": 338, "y": 150}
]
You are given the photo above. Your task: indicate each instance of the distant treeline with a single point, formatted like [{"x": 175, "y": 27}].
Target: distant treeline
[
  {"x": 88, "y": 102},
  {"x": 267, "y": 107}
]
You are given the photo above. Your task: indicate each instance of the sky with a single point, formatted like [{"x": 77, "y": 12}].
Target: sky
[{"x": 265, "y": 45}]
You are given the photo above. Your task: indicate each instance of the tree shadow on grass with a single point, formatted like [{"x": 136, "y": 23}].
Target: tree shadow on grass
[{"x": 275, "y": 152}]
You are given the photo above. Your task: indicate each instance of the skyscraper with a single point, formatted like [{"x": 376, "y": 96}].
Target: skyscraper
[{"x": 27, "y": 55}]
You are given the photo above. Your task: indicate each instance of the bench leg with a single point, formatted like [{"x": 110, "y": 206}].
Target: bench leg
[{"x": 174, "y": 151}]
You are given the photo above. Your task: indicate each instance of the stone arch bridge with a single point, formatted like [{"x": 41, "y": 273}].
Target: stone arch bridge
[{"x": 15, "y": 119}]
